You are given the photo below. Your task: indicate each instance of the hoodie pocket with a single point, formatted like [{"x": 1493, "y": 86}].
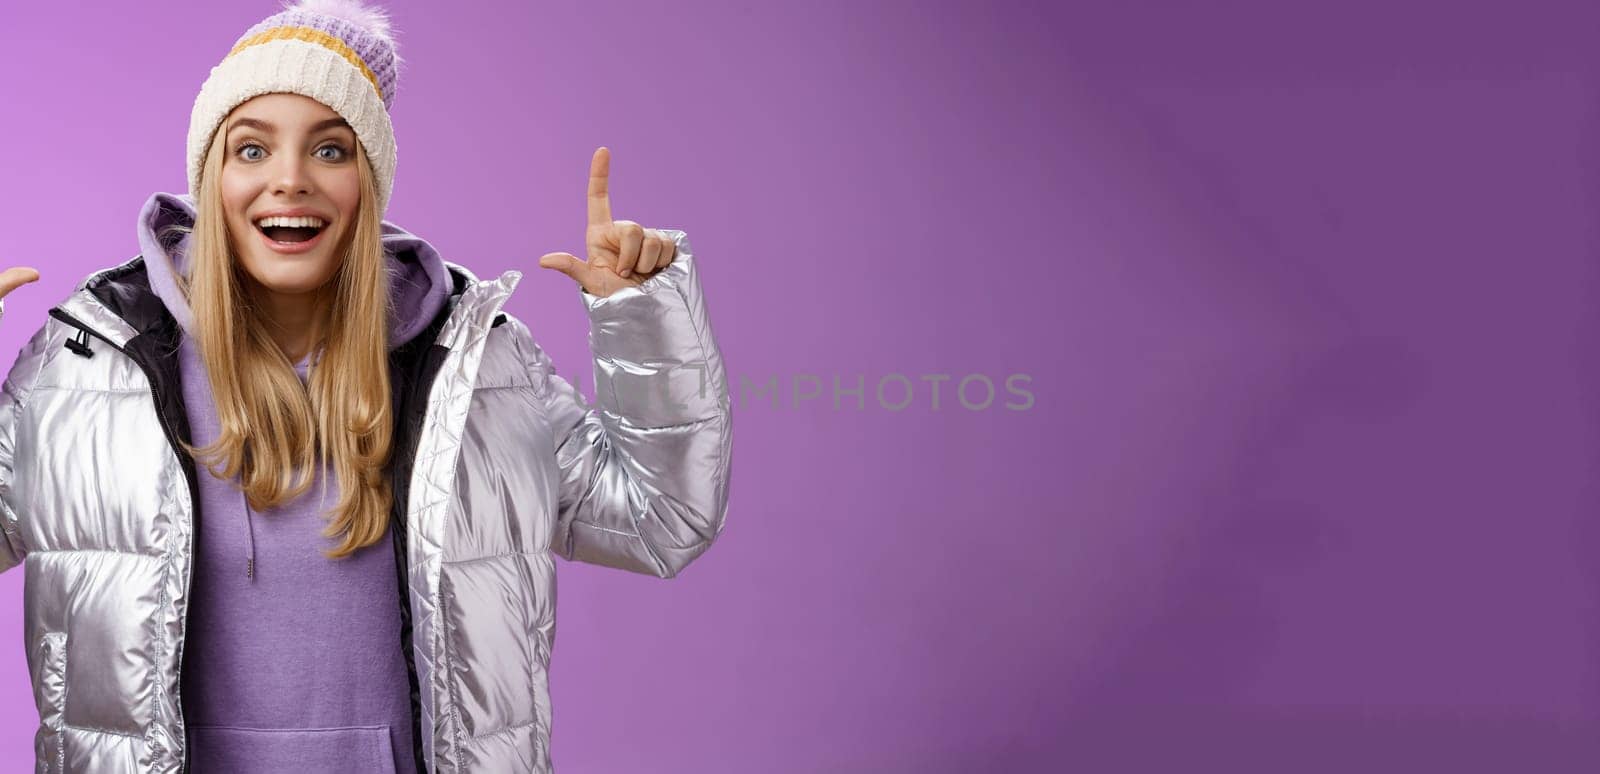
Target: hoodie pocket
[{"x": 234, "y": 748}]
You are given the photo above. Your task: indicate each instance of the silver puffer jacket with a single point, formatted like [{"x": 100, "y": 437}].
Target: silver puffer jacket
[{"x": 501, "y": 464}]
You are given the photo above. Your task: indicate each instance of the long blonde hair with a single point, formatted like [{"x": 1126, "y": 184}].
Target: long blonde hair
[{"x": 273, "y": 426}]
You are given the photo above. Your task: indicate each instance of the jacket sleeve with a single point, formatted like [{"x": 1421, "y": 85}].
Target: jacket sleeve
[
  {"x": 14, "y": 392},
  {"x": 644, "y": 472}
]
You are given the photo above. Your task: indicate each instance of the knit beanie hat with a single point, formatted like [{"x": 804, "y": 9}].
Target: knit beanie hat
[{"x": 337, "y": 52}]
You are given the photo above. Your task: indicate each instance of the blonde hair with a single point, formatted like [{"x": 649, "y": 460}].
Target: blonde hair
[{"x": 273, "y": 426}]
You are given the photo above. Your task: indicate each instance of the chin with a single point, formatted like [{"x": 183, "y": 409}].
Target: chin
[
  {"x": 281, "y": 274},
  {"x": 291, "y": 273}
]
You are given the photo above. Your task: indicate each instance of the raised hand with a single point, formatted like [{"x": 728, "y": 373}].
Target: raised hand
[{"x": 622, "y": 253}]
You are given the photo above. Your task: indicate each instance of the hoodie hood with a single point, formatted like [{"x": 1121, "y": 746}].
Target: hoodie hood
[{"x": 419, "y": 282}]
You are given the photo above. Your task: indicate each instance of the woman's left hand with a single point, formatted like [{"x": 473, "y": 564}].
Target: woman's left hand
[{"x": 622, "y": 253}]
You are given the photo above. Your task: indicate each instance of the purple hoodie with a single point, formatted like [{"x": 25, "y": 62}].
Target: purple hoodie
[{"x": 292, "y": 661}]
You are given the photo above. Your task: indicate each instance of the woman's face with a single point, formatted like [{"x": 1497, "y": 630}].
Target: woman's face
[{"x": 289, "y": 156}]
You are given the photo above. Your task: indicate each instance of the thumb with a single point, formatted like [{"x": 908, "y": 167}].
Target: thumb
[
  {"x": 11, "y": 279},
  {"x": 567, "y": 264}
]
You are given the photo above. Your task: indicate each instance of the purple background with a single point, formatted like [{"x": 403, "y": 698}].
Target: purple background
[{"x": 1307, "y": 299}]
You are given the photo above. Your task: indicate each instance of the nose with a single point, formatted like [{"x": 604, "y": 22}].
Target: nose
[{"x": 290, "y": 175}]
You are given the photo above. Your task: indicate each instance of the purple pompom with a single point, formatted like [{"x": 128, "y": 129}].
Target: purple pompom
[{"x": 371, "y": 18}]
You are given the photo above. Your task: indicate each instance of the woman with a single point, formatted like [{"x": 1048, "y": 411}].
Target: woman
[{"x": 286, "y": 485}]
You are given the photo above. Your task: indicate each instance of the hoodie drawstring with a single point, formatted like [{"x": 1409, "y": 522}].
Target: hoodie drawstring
[
  {"x": 250, "y": 533},
  {"x": 249, "y": 514}
]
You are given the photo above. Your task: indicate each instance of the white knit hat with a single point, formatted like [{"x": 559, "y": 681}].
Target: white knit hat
[{"x": 338, "y": 52}]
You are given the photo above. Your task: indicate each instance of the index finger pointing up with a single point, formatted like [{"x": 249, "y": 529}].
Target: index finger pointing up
[{"x": 599, "y": 191}]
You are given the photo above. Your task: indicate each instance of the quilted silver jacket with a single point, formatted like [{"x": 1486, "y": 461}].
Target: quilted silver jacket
[{"x": 500, "y": 465}]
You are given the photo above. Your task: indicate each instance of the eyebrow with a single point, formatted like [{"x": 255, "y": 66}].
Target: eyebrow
[{"x": 255, "y": 123}]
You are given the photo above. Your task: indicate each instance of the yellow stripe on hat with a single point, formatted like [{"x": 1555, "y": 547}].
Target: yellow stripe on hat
[{"x": 309, "y": 35}]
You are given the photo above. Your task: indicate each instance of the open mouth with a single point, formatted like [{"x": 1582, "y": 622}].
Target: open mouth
[{"x": 291, "y": 230}]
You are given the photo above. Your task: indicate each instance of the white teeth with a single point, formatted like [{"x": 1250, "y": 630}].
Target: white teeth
[{"x": 306, "y": 221}]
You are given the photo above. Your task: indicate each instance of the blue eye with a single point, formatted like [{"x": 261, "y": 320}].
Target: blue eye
[{"x": 340, "y": 154}]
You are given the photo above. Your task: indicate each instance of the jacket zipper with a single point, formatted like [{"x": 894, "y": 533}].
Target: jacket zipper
[{"x": 194, "y": 496}]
